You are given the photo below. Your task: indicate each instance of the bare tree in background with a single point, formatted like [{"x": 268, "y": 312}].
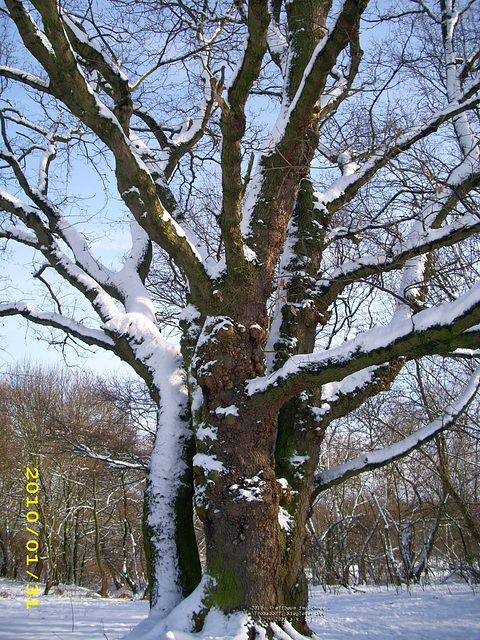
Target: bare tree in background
[
  {"x": 91, "y": 463},
  {"x": 417, "y": 519}
]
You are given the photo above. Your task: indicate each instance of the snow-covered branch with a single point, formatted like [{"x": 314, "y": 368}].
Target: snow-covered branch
[
  {"x": 35, "y": 40},
  {"x": 342, "y": 32},
  {"x": 25, "y": 78},
  {"x": 19, "y": 235},
  {"x": 333, "y": 97},
  {"x": 85, "y": 274},
  {"x": 44, "y": 234},
  {"x": 276, "y": 41},
  {"x": 92, "y": 337},
  {"x": 92, "y": 52},
  {"x": 115, "y": 463},
  {"x": 29, "y": 216},
  {"x": 465, "y": 136},
  {"x": 346, "y": 187},
  {"x": 436, "y": 330},
  {"x": 382, "y": 262},
  {"x": 381, "y": 457},
  {"x": 340, "y": 398},
  {"x": 233, "y": 121}
]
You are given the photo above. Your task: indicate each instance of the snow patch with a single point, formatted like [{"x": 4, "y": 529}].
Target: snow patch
[
  {"x": 208, "y": 463},
  {"x": 250, "y": 489},
  {"x": 285, "y": 520},
  {"x": 232, "y": 410},
  {"x": 206, "y": 432}
]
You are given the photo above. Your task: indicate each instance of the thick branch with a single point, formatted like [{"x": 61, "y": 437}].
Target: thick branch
[
  {"x": 382, "y": 457},
  {"x": 96, "y": 59},
  {"x": 232, "y": 123},
  {"x": 433, "y": 331},
  {"x": 291, "y": 147}
]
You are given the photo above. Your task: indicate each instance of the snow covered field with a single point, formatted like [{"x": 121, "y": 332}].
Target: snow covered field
[{"x": 444, "y": 612}]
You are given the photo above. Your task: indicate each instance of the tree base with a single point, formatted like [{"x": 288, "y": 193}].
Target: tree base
[{"x": 180, "y": 623}]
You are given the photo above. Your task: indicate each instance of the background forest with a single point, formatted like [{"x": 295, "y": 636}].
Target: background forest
[{"x": 413, "y": 521}]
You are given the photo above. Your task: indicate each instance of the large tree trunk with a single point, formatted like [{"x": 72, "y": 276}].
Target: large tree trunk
[
  {"x": 237, "y": 494},
  {"x": 255, "y": 530}
]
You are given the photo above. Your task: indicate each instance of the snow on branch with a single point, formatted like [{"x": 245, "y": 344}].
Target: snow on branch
[
  {"x": 13, "y": 115},
  {"x": 47, "y": 157},
  {"x": 86, "y": 273},
  {"x": 436, "y": 330},
  {"x": 62, "y": 60},
  {"x": 467, "y": 354},
  {"x": 339, "y": 35},
  {"x": 34, "y": 39},
  {"x": 26, "y": 213},
  {"x": 192, "y": 130},
  {"x": 73, "y": 272},
  {"x": 109, "y": 68},
  {"x": 249, "y": 62},
  {"x": 93, "y": 337},
  {"x": 346, "y": 186},
  {"x": 424, "y": 242},
  {"x": 82, "y": 253},
  {"x": 115, "y": 463},
  {"x": 25, "y": 78},
  {"x": 381, "y": 457},
  {"x": 276, "y": 41},
  {"x": 19, "y": 235}
]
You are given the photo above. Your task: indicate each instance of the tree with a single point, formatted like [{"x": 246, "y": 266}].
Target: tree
[
  {"x": 312, "y": 261},
  {"x": 413, "y": 519},
  {"x": 66, "y": 425}
]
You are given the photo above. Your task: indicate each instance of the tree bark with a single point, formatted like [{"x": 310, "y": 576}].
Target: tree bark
[{"x": 237, "y": 494}]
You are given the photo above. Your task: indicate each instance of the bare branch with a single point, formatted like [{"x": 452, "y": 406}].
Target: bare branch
[{"x": 381, "y": 457}]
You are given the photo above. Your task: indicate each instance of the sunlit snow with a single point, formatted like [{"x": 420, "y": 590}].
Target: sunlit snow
[{"x": 442, "y": 612}]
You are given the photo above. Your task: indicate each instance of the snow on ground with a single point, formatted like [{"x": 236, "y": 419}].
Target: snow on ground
[
  {"x": 72, "y": 616},
  {"x": 443, "y": 612}
]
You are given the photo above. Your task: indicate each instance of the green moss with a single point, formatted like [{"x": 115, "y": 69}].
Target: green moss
[
  {"x": 188, "y": 558},
  {"x": 283, "y": 540},
  {"x": 225, "y": 591},
  {"x": 286, "y": 438},
  {"x": 147, "y": 545}
]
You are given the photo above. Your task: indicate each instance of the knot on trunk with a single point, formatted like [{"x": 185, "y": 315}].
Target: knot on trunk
[{"x": 227, "y": 355}]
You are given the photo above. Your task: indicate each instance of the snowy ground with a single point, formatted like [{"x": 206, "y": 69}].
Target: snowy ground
[
  {"x": 444, "y": 612},
  {"x": 69, "y": 617}
]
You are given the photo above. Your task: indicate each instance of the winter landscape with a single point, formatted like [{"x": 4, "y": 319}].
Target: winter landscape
[
  {"x": 268, "y": 213},
  {"x": 443, "y": 612}
]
